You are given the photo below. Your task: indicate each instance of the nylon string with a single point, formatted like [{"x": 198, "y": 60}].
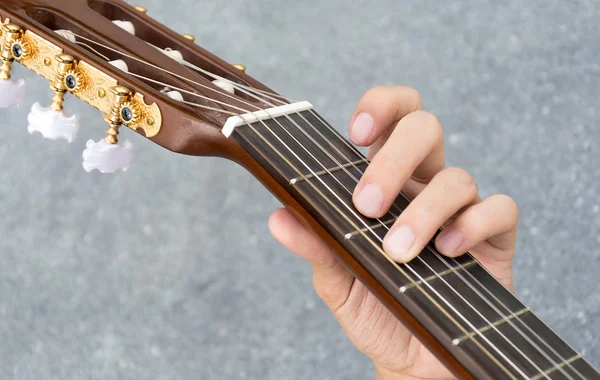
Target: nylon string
[{"x": 275, "y": 97}]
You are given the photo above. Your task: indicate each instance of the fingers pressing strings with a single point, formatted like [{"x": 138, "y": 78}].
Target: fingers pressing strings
[{"x": 279, "y": 99}]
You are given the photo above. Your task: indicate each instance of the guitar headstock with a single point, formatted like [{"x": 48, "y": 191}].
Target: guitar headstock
[{"x": 137, "y": 72}]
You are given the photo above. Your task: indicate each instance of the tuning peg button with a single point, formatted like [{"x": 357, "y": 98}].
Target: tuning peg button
[
  {"x": 107, "y": 158},
  {"x": 53, "y": 125},
  {"x": 12, "y": 92}
]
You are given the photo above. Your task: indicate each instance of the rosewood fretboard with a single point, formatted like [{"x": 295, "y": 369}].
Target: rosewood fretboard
[{"x": 456, "y": 301}]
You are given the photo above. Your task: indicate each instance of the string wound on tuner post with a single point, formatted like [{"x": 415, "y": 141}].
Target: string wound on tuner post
[
  {"x": 109, "y": 154},
  {"x": 12, "y": 92},
  {"x": 52, "y": 122}
]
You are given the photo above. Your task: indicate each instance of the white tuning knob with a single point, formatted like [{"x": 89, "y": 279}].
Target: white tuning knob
[
  {"x": 12, "y": 92},
  {"x": 225, "y": 85},
  {"x": 53, "y": 125},
  {"x": 107, "y": 158}
]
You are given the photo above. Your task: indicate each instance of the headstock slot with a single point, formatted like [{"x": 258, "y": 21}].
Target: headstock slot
[
  {"x": 147, "y": 31},
  {"x": 55, "y": 21}
]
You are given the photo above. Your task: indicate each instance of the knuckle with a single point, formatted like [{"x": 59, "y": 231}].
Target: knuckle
[
  {"x": 476, "y": 224},
  {"x": 414, "y": 96},
  {"x": 509, "y": 207},
  {"x": 428, "y": 123},
  {"x": 461, "y": 178}
]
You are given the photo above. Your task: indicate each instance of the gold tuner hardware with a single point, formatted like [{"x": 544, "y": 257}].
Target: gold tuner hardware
[
  {"x": 141, "y": 9},
  {"x": 10, "y": 49},
  {"x": 240, "y": 67},
  {"x": 65, "y": 81},
  {"x": 120, "y": 113},
  {"x": 189, "y": 37}
]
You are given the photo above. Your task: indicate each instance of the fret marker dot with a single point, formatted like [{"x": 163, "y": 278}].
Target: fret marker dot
[
  {"x": 455, "y": 342},
  {"x": 403, "y": 289},
  {"x": 293, "y": 181},
  {"x": 348, "y": 236}
]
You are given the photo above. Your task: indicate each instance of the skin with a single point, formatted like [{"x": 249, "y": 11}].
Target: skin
[{"x": 407, "y": 154}]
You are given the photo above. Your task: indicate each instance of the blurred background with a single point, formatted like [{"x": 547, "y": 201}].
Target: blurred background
[{"x": 168, "y": 271}]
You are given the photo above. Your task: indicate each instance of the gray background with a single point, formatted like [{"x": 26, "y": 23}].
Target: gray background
[{"x": 168, "y": 271}]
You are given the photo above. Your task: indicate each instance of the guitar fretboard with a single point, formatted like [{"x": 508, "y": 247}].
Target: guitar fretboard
[{"x": 463, "y": 307}]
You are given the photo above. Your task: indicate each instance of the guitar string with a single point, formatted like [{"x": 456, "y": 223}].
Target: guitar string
[
  {"x": 453, "y": 269},
  {"x": 383, "y": 253},
  {"x": 166, "y": 85},
  {"x": 307, "y": 151},
  {"x": 341, "y": 166},
  {"x": 275, "y": 97},
  {"x": 437, "y": 255},
  {"x": 278, "y": 123},
  {"x": 421, "y": 259},
  {"x": 214, "y": 89}
]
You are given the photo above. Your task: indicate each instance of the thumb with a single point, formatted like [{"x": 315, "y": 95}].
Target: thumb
[{"x": 332, "y": 281}]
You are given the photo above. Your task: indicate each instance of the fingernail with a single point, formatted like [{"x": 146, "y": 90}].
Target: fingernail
[
  {"x": 369, "y": 201},
  {"x": 362, "y": 128},
  {"x": 449, "y": 240},
  {"x": 398, "y": 242}
]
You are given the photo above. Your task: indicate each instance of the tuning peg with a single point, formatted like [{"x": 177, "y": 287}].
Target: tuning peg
[
  {"x": 12, "y": 92},
  {"x": 240, "y": 67},
  {"x": 52, "y": 122},
  {"x": 189, "y": 37},
  {"x": 109, "y": 155}
]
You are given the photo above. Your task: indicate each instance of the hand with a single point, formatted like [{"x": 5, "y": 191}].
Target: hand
[{"x": 407, "y": 154}]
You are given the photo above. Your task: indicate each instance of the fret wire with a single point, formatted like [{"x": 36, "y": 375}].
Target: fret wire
[
  {"x": 296, "y": 180},
  {"x": 452, "y": 269},
  {"x": 442, "y": 274},
  {"x": 527, "y": 327},
  {"x": 565, "y": 363},
  {"x": 457, "y": 341},
  {"x": 418, "y": 257},
  {"x": 503, "y": 316},
  {"x": 494, "y": 359},
  {"x": 350, "y": 235}
]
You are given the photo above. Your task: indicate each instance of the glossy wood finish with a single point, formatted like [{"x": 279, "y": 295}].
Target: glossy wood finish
[{"x": 190, "y": 131}]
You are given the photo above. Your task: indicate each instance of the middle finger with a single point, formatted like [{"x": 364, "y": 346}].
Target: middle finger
[{"x": 448, "y": 193}]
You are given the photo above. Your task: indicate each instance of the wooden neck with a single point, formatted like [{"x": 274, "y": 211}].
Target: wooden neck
[{"x": 454, "y": 306}]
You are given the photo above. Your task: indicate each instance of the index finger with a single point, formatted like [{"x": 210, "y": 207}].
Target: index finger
[{"x": 379, "y": 109}]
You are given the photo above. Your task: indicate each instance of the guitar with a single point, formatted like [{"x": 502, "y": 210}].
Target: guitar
[{"x": 145, "y": 77}]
